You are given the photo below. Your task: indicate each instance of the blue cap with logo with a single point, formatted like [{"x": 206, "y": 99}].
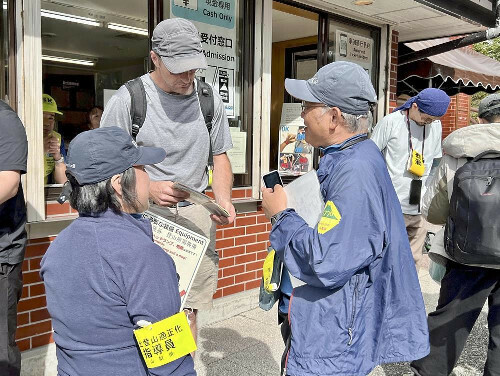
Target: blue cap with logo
[
  {"x": 101, "y": 153},
  {"x": 339, "y": 84}
]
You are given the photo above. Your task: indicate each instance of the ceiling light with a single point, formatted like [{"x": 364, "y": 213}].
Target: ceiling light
[
  {"x": 68, "y": 60},
  {"x": 128, "y": 29},
  {"x": 363, "y": 2},
  {"x": 70, "y": 18}
]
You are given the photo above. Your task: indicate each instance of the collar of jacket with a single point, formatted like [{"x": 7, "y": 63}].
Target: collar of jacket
[
  {"x": 336, "y": 147},
  {"x": 127, "y": 219}
]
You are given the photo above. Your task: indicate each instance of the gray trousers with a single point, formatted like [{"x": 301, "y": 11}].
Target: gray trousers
[{"x": 11, "y": 285}]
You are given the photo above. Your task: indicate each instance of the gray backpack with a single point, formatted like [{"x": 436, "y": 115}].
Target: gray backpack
[{"x": 472, "y": 232}]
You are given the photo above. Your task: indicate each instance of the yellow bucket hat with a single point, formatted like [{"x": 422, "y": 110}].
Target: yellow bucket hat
[{"x": 49, "y": 104}]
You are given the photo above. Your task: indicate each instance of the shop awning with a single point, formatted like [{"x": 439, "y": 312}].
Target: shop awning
[{"x": 458, "y": 71}]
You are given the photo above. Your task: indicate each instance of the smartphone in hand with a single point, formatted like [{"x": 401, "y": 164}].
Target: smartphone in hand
[{"x": 271, "y": 179}]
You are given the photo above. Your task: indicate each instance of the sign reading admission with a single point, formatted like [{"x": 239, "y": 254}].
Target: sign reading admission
[{"x": 215, "y": 21}]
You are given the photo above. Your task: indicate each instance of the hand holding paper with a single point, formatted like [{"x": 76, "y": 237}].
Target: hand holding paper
[{"x": 164, "y": 193}]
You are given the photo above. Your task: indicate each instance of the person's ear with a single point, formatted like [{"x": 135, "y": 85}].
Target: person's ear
[
  {"x": 154, "y": 58},
  {"x": 335, "y": 117},
  {"x": 116, "y": 183}
]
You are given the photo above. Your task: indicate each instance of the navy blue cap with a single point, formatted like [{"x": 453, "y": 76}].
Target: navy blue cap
[
  {"x": 101, "y": 153},
  {"x": 339, "y": 84}
]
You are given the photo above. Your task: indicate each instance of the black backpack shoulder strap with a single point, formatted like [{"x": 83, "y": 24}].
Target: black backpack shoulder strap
[
  {"x": 206, "y": 99},
  {"x": 481, "y": 155},
  {"x": 138, "y": 104}
]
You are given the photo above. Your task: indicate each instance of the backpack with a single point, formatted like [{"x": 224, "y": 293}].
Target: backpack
[
  {"x": 138, "y": 109},
  {"x": 472, "y": 232}
]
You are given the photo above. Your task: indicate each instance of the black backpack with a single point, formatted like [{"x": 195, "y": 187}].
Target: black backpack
[
  {"x": 472, "y": 233},
  {"x": 138, "y": 108}
]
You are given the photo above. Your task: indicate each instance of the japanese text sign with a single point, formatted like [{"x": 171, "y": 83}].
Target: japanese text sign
[
  {"x": 165, "y": 340},
  {"x": 186, "y": 248}
]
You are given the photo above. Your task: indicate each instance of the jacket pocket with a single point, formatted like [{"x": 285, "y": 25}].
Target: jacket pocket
[{"x": 354, "y": 300}]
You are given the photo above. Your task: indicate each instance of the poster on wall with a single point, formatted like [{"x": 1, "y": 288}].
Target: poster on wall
[
  {"x": 354, "y": 48},
  {"x": 295, "y": 154},
  {"x": 216, "y": 23}
]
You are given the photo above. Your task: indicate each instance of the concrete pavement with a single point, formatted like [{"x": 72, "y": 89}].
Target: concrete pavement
[{"x": 250, "y": 343}]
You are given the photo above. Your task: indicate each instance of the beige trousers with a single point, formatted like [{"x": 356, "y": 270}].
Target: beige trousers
[{"x": 416, "y": 230}]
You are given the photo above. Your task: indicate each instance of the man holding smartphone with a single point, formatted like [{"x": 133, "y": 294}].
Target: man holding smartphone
[{"x": 361, "y": 288}]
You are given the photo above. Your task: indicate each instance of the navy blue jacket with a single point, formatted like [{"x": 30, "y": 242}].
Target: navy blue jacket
[
  {"x": 362, "y": 304},
  {"x": 102, "y": 275}
]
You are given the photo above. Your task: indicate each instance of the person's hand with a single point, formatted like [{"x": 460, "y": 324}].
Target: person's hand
[
  {"x": 220, "y": 219},
  {"x": 290, "y": 138},
  {"x": 273, "y": 201},
  {"x": 162, "y": 193},
  {"x": 54, "y": 147}
]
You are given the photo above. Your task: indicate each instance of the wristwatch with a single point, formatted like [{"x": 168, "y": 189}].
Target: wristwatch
[
  {"x": 60, "y": 160},
  {"x": 275, "y": 217}
]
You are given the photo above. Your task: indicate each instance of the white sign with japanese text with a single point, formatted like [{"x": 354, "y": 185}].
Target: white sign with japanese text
[
  {"x": 354, "y": 48},
  {"x": 184, "y": 246},
  {"x": 216, "y": 23}
]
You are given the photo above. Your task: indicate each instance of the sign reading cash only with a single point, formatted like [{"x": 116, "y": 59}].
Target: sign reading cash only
[{"x": 215, "y": 21}]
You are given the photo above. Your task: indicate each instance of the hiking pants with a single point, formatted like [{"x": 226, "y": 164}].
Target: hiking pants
[
  {"x": 11, "y": 284},
  {"x": 464, "y": 291}
]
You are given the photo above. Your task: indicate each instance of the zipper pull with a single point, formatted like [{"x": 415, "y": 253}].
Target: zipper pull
[
  {"x": 489, "y": 180},
  {"x": 349, "y": 331}
]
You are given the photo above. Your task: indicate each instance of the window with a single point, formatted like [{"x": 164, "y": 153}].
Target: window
[
  {"x": 88, "y": 51},
  {"x": 7, "y": 55}
]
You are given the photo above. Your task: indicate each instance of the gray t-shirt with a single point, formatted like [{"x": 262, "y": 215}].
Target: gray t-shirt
[{"x": 175, "y": 123}]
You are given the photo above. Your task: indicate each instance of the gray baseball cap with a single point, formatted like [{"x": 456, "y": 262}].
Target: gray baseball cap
[
  {"x": 101, "y": 153},
  {"x": 178, "y": 43},
  {"x": 489, "y": 103},
  {"x": 339, "y": 84}
]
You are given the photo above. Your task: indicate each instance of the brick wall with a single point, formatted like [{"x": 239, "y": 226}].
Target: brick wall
[
  {"x": 458, "y": 114},
  {"x": 393, "y": 73},
  {"x": 241, "y": 246}
]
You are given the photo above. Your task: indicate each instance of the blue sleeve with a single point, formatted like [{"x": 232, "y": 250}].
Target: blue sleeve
[
  {"x": 151, "y": 292},
  {"x": 330, "y": 259},
  {"x": 62, "y": 149}
]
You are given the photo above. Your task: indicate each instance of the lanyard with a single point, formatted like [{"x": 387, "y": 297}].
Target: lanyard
[{"x": 409, "y": 135}]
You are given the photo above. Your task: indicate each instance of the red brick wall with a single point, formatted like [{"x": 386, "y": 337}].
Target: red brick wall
[
  {"x": 393, "y": 73},
  {"x": 34, "y": 327},
  {"x": 241, "y": 246},
  {"x": 458, "y": 114}
]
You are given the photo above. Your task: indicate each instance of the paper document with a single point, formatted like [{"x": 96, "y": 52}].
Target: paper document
[
  {"x": 304, "y": 195},
  {"x": 186, "y": 248},
  {"x": 202, "y": 199}
]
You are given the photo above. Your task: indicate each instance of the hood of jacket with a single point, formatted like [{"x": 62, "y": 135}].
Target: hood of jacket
[{"x": 472, "y": 140}]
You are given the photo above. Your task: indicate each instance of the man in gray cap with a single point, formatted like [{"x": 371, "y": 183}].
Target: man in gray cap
[
  {"x": 361, "y": 288},
  {"x": 467, "y": 283},
  {"x": 173, "y": 120}
]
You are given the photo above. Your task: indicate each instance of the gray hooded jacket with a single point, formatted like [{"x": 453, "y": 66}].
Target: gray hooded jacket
[{"x": 457, "y": 147}]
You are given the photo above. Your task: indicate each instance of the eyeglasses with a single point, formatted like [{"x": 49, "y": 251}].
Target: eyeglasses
[
  {"x": 426, "y": 119},
  {"x": 305, "y": 105}
]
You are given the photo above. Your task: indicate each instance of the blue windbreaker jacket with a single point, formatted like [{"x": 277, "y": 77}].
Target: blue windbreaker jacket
[{"x": 362, "y": 304}]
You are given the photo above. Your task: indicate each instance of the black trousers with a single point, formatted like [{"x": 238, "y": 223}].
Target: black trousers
[
  {"x": 286, "y": 334},
  {"x": 11, "y": 284},
  {"x": 464, "y": 291}
]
